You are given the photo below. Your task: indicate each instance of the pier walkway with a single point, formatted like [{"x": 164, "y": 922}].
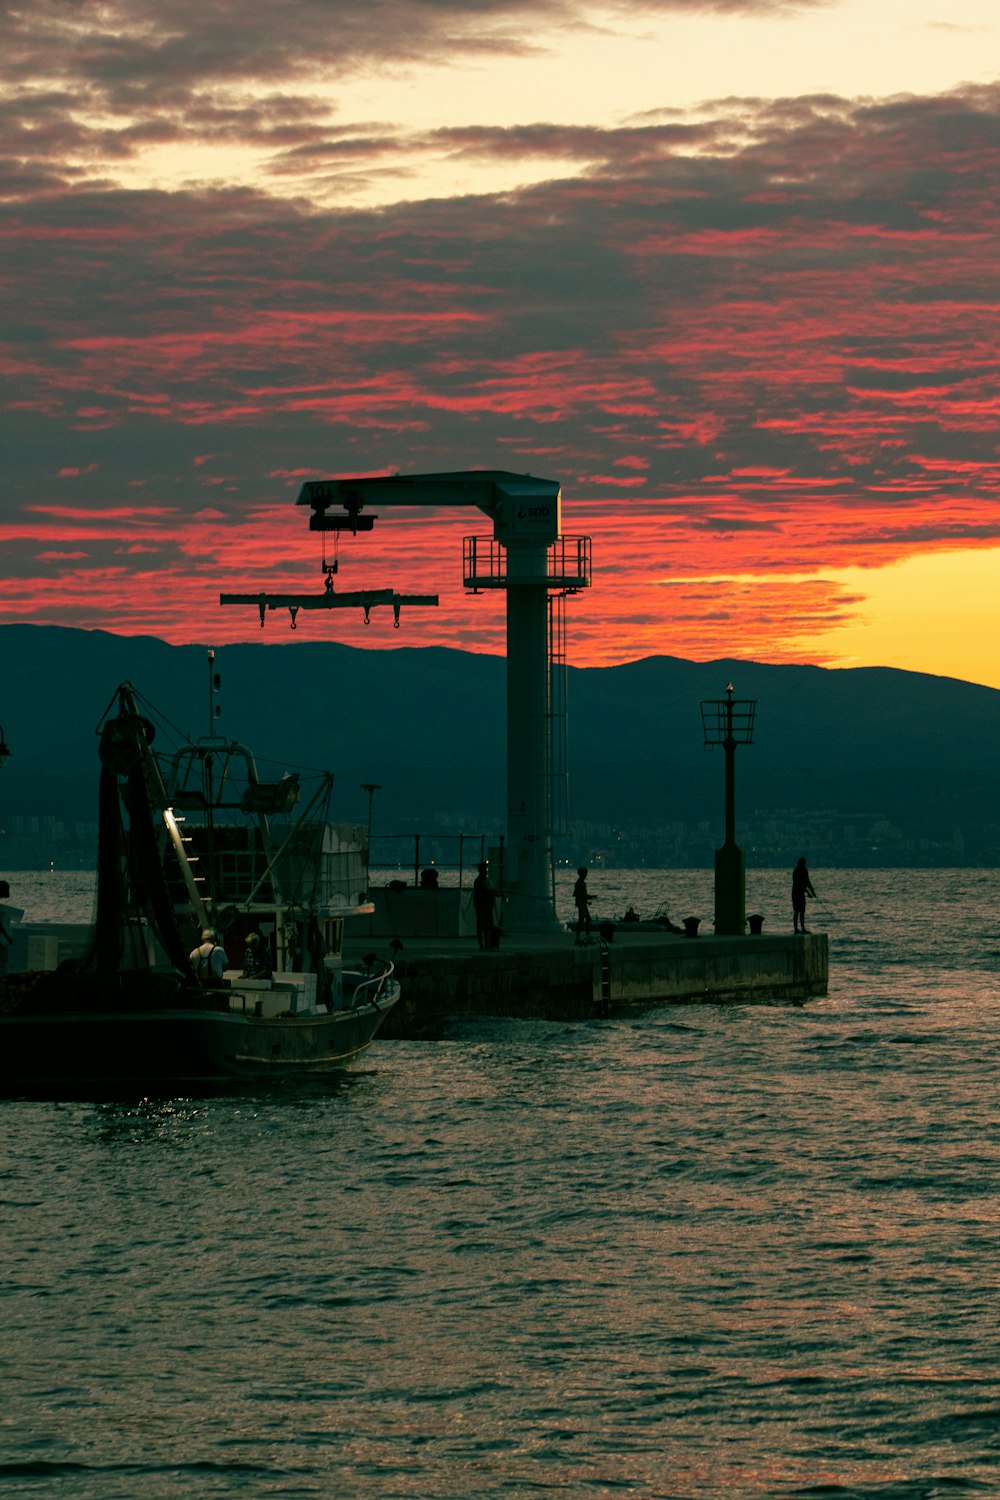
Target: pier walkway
[{"x": 548, "y": 976}]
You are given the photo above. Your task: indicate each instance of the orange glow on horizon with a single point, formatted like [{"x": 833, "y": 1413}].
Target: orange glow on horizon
[{"x": 658, "y": 588}]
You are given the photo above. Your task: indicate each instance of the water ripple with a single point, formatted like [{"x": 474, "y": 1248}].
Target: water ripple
[{"x": 710, "y": 1254}]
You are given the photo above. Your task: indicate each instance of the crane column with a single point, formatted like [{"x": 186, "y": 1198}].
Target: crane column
[{"x": 528, "y": 870}]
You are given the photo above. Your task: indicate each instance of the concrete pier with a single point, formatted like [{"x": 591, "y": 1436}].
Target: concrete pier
[{"x": 548, "y": 977}]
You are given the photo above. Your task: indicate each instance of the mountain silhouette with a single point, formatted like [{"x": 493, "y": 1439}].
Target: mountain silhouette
[{"x": 428, "y": 725}]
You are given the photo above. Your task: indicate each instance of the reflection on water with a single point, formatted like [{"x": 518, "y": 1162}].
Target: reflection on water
[
  {"x": 132, "y": 1109},
  {"x": 54, "y": 896},
  {"x": 707, "y": 1252}
]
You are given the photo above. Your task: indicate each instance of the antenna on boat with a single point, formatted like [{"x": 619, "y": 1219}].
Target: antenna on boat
[{"x": 214, "y": 684}]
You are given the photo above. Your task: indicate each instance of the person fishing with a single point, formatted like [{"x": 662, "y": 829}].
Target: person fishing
[
  {"x": 581, "y": 900},
  {"x": 801, "y": 888},
  {"x": 484, "y": 900}
]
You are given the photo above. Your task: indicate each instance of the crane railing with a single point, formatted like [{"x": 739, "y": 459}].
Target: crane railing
[{"x": 564, "y": 565}]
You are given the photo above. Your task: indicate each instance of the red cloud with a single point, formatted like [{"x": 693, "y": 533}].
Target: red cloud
[{"x": 743, "y": 365}]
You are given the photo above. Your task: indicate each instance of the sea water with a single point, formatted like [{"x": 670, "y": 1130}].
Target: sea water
[{"x": 705, "y": 1252}]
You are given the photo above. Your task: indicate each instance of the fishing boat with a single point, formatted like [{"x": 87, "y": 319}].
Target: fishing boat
[{"x": 194, "y": 844}]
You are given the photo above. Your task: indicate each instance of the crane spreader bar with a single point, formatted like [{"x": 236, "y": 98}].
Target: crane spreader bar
[{"x": 366, "y": 599}]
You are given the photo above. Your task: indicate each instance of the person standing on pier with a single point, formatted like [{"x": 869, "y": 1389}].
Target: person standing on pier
[
  {"x": 484, "y": 901},
  {"x": 801, "y": 888},
  {"x": 581, "y": 900}
]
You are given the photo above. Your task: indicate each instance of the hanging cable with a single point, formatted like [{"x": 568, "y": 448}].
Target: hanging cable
[{"x": 330, "y": 568}]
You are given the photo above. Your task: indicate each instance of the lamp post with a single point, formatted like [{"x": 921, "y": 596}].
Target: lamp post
[
  {"x": 214, "y": 684},
  {"x": 371, "y": 787},
  {"x": 728, "y": 722}
]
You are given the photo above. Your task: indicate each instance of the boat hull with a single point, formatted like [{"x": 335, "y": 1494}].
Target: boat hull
[{"x": 178, "y": 1046}]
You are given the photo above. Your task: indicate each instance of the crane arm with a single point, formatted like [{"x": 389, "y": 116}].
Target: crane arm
[{"x": 520, "y": 505}]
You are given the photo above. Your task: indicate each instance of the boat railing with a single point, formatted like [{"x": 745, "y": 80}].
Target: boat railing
[{"x": 371, "y": 989}]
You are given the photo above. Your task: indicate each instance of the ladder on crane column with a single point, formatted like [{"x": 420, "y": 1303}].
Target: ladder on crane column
[{"x": 558, "y": 735}]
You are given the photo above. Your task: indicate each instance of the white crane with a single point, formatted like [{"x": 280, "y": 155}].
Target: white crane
[{"x": 536, "y": 566}]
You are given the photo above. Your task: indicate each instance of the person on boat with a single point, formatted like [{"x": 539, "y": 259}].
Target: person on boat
[
  {"x": 208, "y": 960},
  {"x": 801, "y": 888},
  {"x": 484, "y": 902},
  {"x": 256, "y": 959},
  {"x": 581, "y": 901}
]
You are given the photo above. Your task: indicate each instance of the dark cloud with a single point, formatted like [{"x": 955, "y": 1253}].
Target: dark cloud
[
  {"x": 149, "y": 44},
  {"x": 728, "y": 524},
  {"x": 771, "y": 333},
  {"x": 85, "y": 86}
]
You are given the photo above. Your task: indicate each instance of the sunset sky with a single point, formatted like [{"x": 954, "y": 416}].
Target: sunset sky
[{"x": 728, "y": 272}]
